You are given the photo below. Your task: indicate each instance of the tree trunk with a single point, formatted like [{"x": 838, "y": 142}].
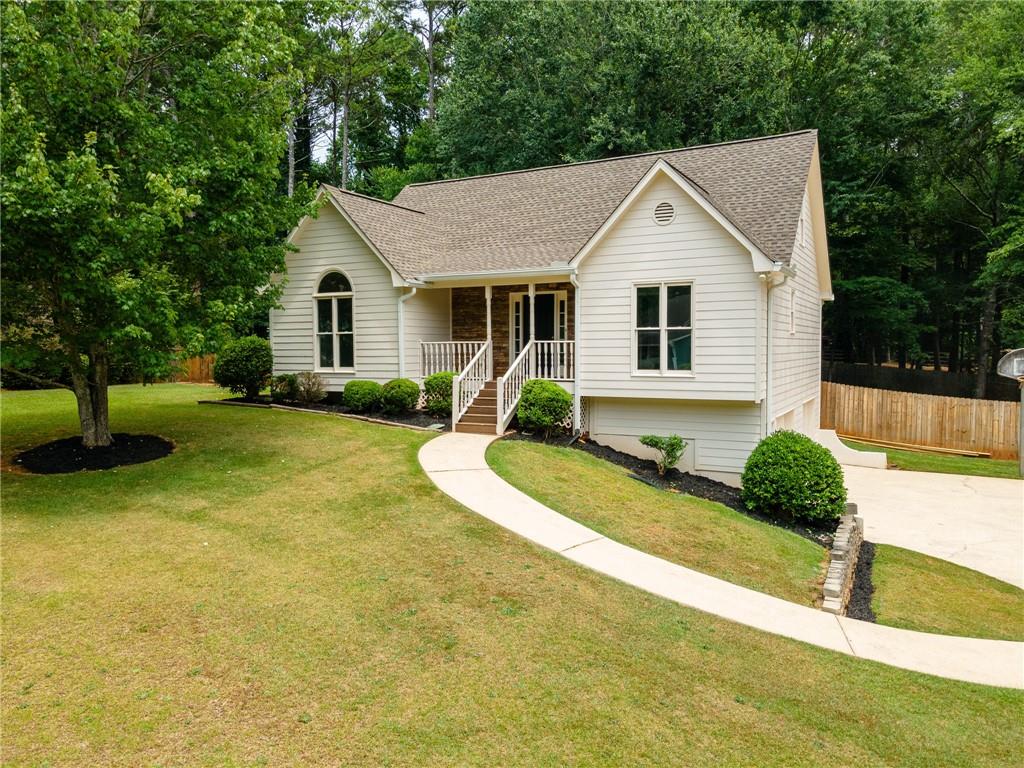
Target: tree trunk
[
  {"x": 90, "y": 387},
  {"x": 985, "y": 328},
  {"x": 344, "y": 142},
  {"x": 291, "y": 157}
]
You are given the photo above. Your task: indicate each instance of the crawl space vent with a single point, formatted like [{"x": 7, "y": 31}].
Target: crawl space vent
[{"x": 664, "y": 213}]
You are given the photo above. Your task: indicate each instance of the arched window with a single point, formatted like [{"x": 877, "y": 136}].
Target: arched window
[{"x": 335, "y": 335}]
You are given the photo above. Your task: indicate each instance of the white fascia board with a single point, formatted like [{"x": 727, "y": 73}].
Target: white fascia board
[
  {"x": 816, "y": 198},
  {"x": 759, "y": 261},
  {"x": 497, "y": 277}
]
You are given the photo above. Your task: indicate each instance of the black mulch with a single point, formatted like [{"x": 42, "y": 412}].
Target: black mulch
[
  {"x": 859, "y": 606},
  {"x": 412, "y": 418},
  {"x": 69, "y": 455},
  {"x": 674, "y": 481}
]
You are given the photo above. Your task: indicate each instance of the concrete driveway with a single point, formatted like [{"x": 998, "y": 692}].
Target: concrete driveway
[{"x": 977, "y": 522}]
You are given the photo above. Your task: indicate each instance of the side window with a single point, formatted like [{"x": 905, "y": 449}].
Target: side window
[
  {"x": 335, "y": 334},
  {"x": 663, "y": 328}
]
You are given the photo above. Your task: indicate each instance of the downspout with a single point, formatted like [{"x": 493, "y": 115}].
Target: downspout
[
  {"x": 769, "y": 278},
  {"x": 577, "y": 400},
  {"x": 401, "y": 330}
]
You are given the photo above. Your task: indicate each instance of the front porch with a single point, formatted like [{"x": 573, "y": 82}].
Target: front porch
[{"x": 501, "y": 337}]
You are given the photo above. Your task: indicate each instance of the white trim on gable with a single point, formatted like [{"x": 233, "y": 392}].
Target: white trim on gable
[
  {"x": 819, "y": 234},
  {"x": 396, "y": 279},
  {"x": 759, "y": 259}
]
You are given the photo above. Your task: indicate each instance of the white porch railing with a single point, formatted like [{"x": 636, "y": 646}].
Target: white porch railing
[
  {"x": 554, "y": 360},
  {"x": 437, "y": 356},
  {"x": 467, "y": 385},
  {"x": 510, "y": 386}
]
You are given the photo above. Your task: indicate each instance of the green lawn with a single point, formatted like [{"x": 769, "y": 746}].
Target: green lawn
[
  {"x": 699, "y": 534},
  {"x": 919, "y": 592},
  {"x": 290, "y": 589},
  {"x": 919, "y": 461}
]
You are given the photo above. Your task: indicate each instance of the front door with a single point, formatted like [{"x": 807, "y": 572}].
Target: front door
[{"x": 548, "y": 325}]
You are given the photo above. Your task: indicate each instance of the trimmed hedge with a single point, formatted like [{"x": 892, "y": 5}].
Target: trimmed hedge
[
  {"x": 399, "y": 396},
  {"x": 244, "y": 366},
  {"x": 437, "y": 392},
  {"x": 790, "y": 477},
  {"x": 543, "y": 405},
  {"x": 362, "y": 396}
]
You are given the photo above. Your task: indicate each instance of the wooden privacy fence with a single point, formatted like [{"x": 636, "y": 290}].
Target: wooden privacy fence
[
  {"x": 963, "y": 424},
  {"x": 196, "y": 370}
]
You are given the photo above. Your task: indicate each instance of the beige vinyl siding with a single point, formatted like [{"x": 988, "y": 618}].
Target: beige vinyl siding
[
  {"x": 329, "y": 242},
  {"x": 694, "y": 247},
  {"x": 427, "y": 318},
  {"x": 720, "y": 435},
  {"x": 797, "y": 356}
]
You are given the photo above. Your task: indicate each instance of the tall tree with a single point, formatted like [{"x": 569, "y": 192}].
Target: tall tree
[{"x": 141, "y": 146}]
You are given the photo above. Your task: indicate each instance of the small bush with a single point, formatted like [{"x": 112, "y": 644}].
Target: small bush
[
  {"x": 399, "y": 396},
  {"x": 311, "y": 388},
  {"x": 437, "y": 392},
  {"x": 244, "y": 366},
  {"x": 543, "y": 405},
  {"x": 789, "y": 476},
  {"x": 670, "y": 450},
  {"x": 284, "y": 388},
  {"x": 362, "y": 396}
]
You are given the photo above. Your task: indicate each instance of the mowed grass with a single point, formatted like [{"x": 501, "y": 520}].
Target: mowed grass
[
  {"x": 697, "y": 533},
  {"x": 920, "y": 461},
  {"x": 290, "y": 589},
  {"x": 915, "y": 591}
]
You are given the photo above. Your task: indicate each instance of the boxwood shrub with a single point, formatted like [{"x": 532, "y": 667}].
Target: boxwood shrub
[
  {"x": 362, "y": 396},
  {"x": 790, "y": 477},
  {"x": 437, "y": 393},
  {"x": 399, "y": 396},
  {"x": 244, "y": 366},
  {"x": 543, "y": 405}
]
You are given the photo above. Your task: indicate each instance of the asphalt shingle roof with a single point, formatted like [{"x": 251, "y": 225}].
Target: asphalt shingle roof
[{"x": 534, "y": 218}]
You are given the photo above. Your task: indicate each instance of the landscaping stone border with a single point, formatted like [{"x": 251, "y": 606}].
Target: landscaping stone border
[{"x": 842, "y": 566}]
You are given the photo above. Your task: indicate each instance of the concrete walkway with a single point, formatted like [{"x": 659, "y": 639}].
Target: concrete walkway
[
  {"x": 977, "y": 522},
  {"x": 456, "y": 464}
]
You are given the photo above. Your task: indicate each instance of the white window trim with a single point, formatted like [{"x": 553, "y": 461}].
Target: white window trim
[
  {"x": 317, "y": 368},
  {"x": 662, "y": 286}
]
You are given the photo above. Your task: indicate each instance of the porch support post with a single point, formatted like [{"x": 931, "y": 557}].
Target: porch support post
[
  {"x": 533, "y": 355},
  {"x": 490, "y": 350},
  {"x": 577, "y": 398}
]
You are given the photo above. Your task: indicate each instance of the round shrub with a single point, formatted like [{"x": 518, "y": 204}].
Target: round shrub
[
  {"x": 543, "y": 405},
  {"x": 284, "y": 388},
  {"x": 437, "y": 393},
  {"x": 244, "y": 366},
  {"x": 789, "y": 476},
  {"x": 399, "y": 396},
  {"x": 362, "y": 396}
]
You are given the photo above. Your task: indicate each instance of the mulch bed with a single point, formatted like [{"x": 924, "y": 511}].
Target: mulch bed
[
  {"x": 420, "y": 419},
  {"x": 674, "y": 481},
  {"x": 859, "y": 606},
  {"x": 69, "y": 455}
]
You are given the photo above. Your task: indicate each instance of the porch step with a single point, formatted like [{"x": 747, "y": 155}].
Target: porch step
[
  {"x": 482, "y": 415},
  {"x": 483, "y": 410},
  {"x": 477, "y": 418},
  {"x": 476, "y": 429}
]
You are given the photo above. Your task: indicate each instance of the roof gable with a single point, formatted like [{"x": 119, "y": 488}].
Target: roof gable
[{"x": 661, "y": 168}]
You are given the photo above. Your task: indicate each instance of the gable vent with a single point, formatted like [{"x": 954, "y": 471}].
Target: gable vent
[{"x": 664, "y": 213}]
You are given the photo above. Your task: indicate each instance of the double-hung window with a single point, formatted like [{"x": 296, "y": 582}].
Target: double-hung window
[
  {"x": 663, "y": 328},
  {"x": 335, "y": 335}
]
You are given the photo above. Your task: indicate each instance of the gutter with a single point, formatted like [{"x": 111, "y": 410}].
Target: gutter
[
  {"x": 773, "y": 278},
  {"x": 517, "y": 274}
]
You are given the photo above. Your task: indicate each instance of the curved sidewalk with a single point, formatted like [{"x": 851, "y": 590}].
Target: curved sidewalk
[{"x": 457, "y": 465}]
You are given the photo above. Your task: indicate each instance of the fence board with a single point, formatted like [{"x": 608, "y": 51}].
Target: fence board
[
  {"x": 197, "y": 370},
  {"x": 985, "y": 426}
]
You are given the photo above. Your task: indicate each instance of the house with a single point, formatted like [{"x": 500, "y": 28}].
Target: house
[{"x": 669, "y": 292}]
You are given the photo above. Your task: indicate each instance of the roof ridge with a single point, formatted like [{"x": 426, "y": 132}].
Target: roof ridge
[
  {"x": 606, "y": 159},
  {"x": 372, "y": 199}
]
